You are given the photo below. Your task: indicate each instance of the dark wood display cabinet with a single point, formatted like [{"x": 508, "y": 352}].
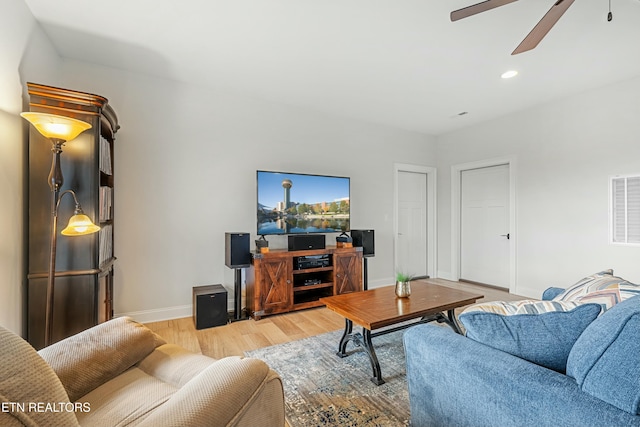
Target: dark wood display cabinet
[
  {"x": 280, "y": 281},
  {"x": 84, "y": 265}
]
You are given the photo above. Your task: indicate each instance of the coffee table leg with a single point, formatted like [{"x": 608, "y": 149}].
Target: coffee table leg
[
  {"x": 375, "y": 365},
  {"x": 453, "y": 321},
  {"x": 346, "y": 337},
  {"x": 364, "y": 341},
  {"x": 449, "y": 319}
]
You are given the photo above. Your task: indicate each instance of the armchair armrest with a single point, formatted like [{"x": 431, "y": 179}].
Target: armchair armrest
[
  {"x": 551, "y": 293},
  {"x": 94, "y": 356},
  {"x": 454, "y": 380},
  {"x": 25, "y": 380}
]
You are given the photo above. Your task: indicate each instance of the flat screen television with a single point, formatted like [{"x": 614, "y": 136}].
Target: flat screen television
[{"x": 293, "y": 203}]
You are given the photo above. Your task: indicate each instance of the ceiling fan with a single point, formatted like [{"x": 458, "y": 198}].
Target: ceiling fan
[{"x": 535, "y": 36}]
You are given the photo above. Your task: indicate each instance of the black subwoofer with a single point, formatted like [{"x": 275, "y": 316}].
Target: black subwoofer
[{"x": 209, "y": 306}]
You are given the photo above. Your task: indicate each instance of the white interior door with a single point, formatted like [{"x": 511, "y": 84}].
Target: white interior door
[
  {"x": 411, "y": 240},
  {"x": 484, "y": 225}
]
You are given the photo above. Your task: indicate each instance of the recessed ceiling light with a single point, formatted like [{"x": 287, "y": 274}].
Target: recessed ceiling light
[{"x": 509, "y": 74}]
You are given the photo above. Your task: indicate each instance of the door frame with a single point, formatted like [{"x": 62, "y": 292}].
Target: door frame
[
  {"x": 456, "y": 217},
  {"x": 430, "y": 172}
]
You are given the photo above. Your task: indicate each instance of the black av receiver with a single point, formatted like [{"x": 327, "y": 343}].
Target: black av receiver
[{"x": 312, "y": 261}]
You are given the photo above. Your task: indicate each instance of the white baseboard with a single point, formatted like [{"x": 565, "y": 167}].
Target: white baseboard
[
  {"x": 446, "y": 275},
  {"x": 381, "y": 282},
  {"x": 177, "y": 312},
  {"x": 528, "y": 292},
  {"x": 159, "y": 314},
  {"x": 167, "y": 313}
]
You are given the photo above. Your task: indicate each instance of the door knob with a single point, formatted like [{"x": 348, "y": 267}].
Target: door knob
[{"x": 508, "y": 235}]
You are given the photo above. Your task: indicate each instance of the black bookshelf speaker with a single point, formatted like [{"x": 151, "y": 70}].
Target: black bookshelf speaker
[
  {"x": 366, "y": 240},
  {"x": 236, "y": 250},
  {"x": 209, "y": 306}
]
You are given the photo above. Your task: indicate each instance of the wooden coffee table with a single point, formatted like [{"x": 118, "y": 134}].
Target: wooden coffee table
[{"x": 379, "y": 308}]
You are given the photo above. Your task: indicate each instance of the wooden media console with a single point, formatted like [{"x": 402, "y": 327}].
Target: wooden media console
[{"x": 280, "y": 281}]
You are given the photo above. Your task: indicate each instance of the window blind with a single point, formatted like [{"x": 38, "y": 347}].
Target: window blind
[{"x": 625, "y": 209}]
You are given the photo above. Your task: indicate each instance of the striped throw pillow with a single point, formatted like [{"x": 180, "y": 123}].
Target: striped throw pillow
[
  {"x": 510, "y": 308},
  {"x": 600, "y": 288}
]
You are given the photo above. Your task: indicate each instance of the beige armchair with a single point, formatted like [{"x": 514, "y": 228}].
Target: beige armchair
[{"x": 120, "y": 373}]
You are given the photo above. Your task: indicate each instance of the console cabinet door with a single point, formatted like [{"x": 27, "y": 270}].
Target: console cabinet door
[
  {"x": 274, "y": 285},
  {"x": 347, "y": 272}
]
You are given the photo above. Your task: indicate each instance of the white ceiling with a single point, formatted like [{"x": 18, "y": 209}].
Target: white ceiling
[{"x": 397, "y": 62}]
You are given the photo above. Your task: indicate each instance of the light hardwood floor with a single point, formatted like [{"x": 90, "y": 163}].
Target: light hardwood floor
[{"x": 235, "y": 338}]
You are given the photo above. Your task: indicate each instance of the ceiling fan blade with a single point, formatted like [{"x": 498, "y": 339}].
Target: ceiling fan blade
[
  {"x": 544, "y": 26},
  {"x": 478, "y": 8}
]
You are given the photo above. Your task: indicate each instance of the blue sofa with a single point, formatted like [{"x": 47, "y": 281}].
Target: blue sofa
[{"x": 456, "y": 381}]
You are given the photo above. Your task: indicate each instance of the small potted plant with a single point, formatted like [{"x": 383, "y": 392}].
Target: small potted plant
[{"x": 403, "y": 285}]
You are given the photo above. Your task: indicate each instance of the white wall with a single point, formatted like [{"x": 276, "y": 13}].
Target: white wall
[
  {"x": 566, "y": 151},
  {"x": 25, "y": 55},
  {"x": 186, "y": 159}
]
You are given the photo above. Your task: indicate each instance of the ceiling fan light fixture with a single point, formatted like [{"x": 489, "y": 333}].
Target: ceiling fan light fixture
[{"x": 509, "y": 74}]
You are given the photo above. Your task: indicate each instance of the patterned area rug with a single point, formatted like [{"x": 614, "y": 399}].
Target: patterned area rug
[{"x": 322, "y": 389}]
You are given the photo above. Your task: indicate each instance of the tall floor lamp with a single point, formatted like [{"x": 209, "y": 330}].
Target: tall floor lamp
[{"x": 59, "y": 129}]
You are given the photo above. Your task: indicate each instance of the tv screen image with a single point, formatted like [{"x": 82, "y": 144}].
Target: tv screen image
[{"x": 292, "y": 203}]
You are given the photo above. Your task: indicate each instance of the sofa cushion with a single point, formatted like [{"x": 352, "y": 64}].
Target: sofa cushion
[
  {"x": 542, "y": 332},
  {"x": 601, "y": 288},
  {"x": 605, "y": 360},
  {"x": 128, "y": 398}
]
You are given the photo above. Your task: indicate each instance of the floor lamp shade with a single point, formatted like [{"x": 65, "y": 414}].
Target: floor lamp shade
[
  {"x": 79, "y": 225},
  {"x": 53, "y": 126}
]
